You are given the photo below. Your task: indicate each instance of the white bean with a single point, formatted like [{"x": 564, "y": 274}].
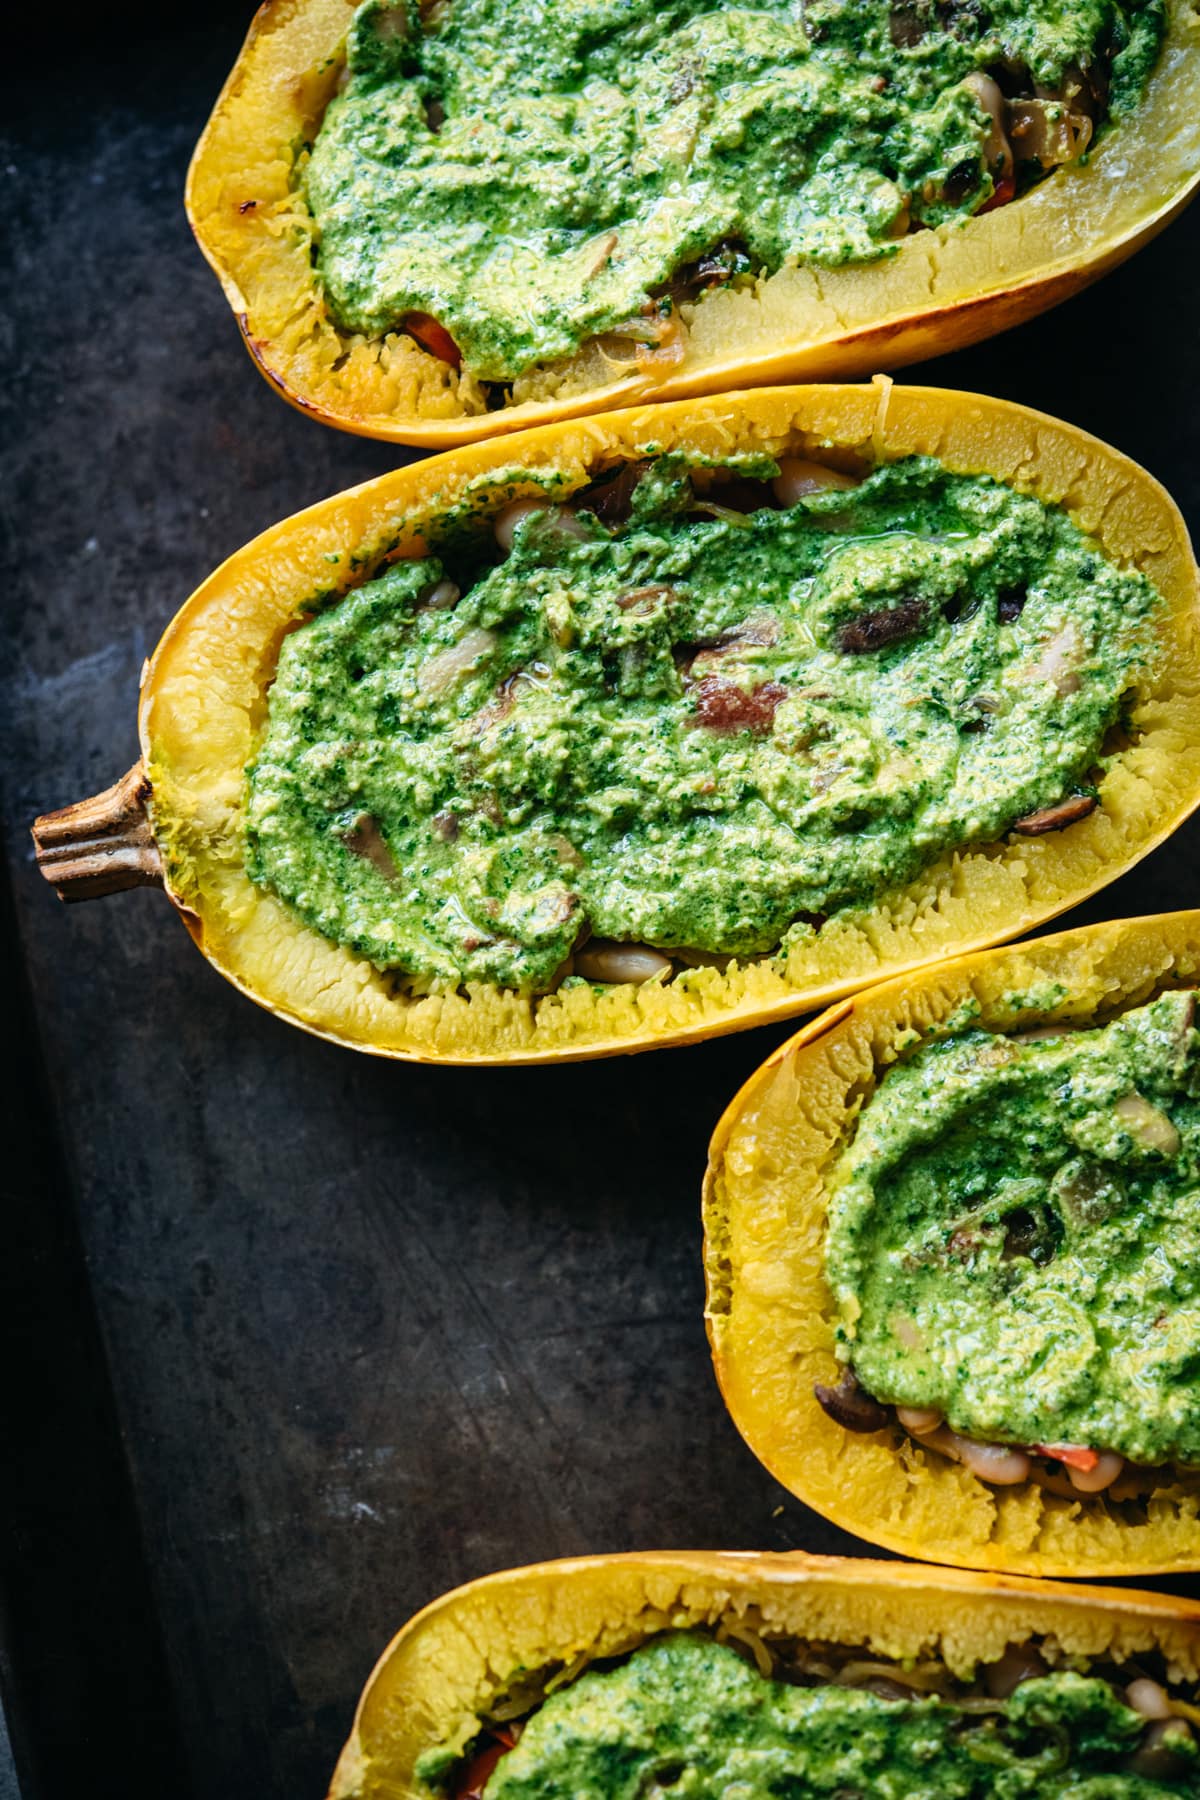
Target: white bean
[
  {"x": 570, "y": 524},
  {"x": 1148, "y": 1698},
  {"x": 1152, "y": 1128},
  {"x": 600, "y": 961},
  {"x": 1059, "y": 661},
  {"x": 438, "y": 673},
  {"x": 441, "y": 596},
  {"x": 506, "y": 521},
  {"x": 908, "y": 1332},
  {"x": 999, "y": 1464},
  {"x": 1094, "y": 1481},
  {"x": 798, "y": 477},
  {"x": 391, "y": 22},
  {"x": 920, "y": 1420},
  {"x": 509, "y": 517}
]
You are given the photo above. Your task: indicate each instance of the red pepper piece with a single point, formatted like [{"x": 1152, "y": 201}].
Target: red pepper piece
[
  {"x": 1076, "y": 1456},
  {"x": 431, "y": 336},
  {"x": 722, "y": 706},
  {"x": 474, "y": 1777},
  {"x": 1005, "y": 188}
]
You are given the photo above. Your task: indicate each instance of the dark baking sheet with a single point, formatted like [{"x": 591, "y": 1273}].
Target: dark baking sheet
[{"x": 295, "y": 1340}]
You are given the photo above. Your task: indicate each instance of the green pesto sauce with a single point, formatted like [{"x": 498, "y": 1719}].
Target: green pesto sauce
[
  {"x": 592, "y": 148},
  {"x": 658, "y": 732},
  {"x": 688, "y": 1717},
  {"x": 1027, "y": 1212}
]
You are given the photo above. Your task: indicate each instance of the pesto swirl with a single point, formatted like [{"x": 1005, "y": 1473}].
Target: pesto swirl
[
  {"x": 686, "y": 1716},
  {"x": 700, "y": 729},
  {"x": 1014, "y": 1235},
  {"x": 531, "y": 176}
]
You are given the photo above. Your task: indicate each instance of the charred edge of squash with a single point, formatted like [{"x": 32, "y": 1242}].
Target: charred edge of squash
[
  {"x": 203, "y": 703},
  {"x": 771, "y": 1317},
  {"x": 434, "y": 1683},
  {"x": 944, "y": 288}
]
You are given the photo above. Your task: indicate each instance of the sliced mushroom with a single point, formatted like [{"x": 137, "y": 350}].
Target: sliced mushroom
[
  {"x": 366, "y": 840},
  {"x": 493, "y": 712},
  {"x": 961, "y": 181},
  {"x": 731, "y": 492},
  {"x": 717, "y": 266},
  {"x": 875, "y": 630},
  {"x": 611, "y": 495},
  {"x": 905, "y": 27},
  {"x": 657, "y": 334},
  {"x": 960, "y": 606},
  {"x": 696, "y": 661},
  {"x": 1047, "y": 132},
  {"x": 1163, "y": 1751},
  {"x": 1020, "y": 1662},
  {"x": 646, "y": 599},
  {"x": 850, "y": 1405},
  {"x": 1053, "y": 1480},
  {"x": 1034, "y": 1232},
  {"x": 1053, "y": 818},
  {"x": 996, "y": 151},
  {"x": 885, "y": 1689},
  {"x": 725, "y": 260}
]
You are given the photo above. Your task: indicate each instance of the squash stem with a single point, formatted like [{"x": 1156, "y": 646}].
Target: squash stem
[{"x": 100, "y": 845}]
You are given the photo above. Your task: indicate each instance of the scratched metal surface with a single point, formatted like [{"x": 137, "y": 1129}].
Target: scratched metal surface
[{"x": 297, "y": 1340}]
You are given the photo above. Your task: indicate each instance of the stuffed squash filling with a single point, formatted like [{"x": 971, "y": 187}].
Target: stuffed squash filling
[
  {"x": 689, "y": 1715},
  {"x": 693, "y": 713},
  {"x": 506, "y": 182},
  {"x": 1014, "y": 1250}
]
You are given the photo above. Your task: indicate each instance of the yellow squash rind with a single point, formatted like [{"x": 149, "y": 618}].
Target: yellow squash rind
[
  {"x": 439, "y": 1675},
  {"x": 942, "y": 290},
  {"x": 771, "y": 1316},
  {"x": 204, "y": 699}
]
